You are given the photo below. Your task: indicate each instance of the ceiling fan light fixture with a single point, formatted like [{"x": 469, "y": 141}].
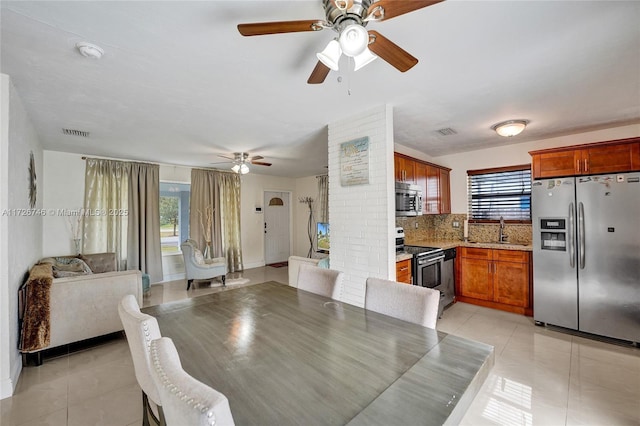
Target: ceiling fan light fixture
[
  {"x": 235, "y": 168},
  {"x": 363, "y": 59},
  {"x": 510, "y": 128},
  {"x": 330, "y": 56},
  {"x": 244, "y": 169},
  {"x": 354, "y": 39}
]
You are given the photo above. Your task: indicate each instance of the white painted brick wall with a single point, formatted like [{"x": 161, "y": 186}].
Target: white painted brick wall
[{"x": 362, "y": 217}]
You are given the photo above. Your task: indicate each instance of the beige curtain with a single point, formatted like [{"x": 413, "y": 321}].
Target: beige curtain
[
  {"x": 106, "y": 192},
  {"x": 323, "y": 198},
  {"x": 144, "y": 252},
  {"x": 229, "y": 187},
  {"x": 204, "y": 195},
  {"x": 220, "y": 191}
]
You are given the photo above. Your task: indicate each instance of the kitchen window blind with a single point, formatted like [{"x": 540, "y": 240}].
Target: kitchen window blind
[{"x": 504, "y": 191}]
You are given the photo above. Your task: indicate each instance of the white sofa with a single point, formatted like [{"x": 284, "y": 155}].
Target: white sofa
[
  {"x": 294, "y": 267},
  {"x": 86, "y": 306}
]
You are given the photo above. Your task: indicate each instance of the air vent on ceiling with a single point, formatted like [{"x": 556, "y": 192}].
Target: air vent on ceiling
[
  {"x": 447, "y": 131},
  {"x": 73, "y": 132}
]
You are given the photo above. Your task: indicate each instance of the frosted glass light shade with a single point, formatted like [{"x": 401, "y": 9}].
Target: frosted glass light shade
[
  {"x": 244, "y": 169},
  {"x": 354, "y": 39},
  {"x": 363, "y": 59},
  {"x": 330, "y": 56},
  {"x": 510, "y": 128}
]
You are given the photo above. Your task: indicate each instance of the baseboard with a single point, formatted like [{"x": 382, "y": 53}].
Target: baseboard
[
  {"x": 254, "y": 265},
  {"x": 8, "y": 385}
]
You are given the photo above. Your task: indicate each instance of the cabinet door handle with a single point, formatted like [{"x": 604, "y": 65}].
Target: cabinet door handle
[
  {"x": 586, "y": 165},
  {"x": 403, "y": 269},
  {"x": 578, "y": 166}
]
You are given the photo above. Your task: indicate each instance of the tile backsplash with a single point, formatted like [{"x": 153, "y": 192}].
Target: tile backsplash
[{"x": 440, "y": 227}]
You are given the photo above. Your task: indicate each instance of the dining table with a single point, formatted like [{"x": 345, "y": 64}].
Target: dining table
[{"x": 284, "y": 356}]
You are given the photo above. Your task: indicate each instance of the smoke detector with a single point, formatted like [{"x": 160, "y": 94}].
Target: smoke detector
[{"x": 89, "y": 50}]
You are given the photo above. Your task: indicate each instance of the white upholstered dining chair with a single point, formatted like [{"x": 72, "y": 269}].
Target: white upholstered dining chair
[
  {"x": 407, "y": 302},
  {"x": 141, "y": 329},
  {"x": 185, "y": 400},
  {"x": 322, "y": 281}
]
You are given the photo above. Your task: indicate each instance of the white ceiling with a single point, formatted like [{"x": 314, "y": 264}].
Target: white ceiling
[{"x": 179, "y": 85}]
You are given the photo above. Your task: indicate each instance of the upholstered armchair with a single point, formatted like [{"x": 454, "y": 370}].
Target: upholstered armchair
[{"x": 198, "y": 268}]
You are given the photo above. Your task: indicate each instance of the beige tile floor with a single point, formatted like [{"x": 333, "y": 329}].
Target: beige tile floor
[{"x": 541, "y": 376}]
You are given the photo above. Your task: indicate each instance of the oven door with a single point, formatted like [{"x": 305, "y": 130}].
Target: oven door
[{"x": 428, "y": 271}]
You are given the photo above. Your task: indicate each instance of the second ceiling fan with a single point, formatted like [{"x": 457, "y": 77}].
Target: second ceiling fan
[{"x": 349, "y": 19}]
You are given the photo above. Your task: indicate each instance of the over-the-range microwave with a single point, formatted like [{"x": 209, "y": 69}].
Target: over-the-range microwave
[{"x": 408, "y": 199}]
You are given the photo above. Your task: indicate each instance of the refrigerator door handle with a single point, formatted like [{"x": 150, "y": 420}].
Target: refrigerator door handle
[
  {"x": 581, "y": 233},
  {"x": 571, "y": 236}
]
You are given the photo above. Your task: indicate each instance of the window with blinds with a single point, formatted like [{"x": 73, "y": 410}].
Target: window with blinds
[{"x": 504, "y": 191}]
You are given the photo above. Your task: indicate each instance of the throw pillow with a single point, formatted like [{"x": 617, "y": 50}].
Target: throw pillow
[
  {"x": 72, "y": 268},
  {"x": 199, "y": 257},
  {"x": 324, "y": 263}
]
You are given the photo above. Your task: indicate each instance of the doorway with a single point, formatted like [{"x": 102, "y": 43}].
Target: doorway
[{"x": 277, "y": 240}]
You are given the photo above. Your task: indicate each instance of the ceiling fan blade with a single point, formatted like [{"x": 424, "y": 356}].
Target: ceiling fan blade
[
  {"x": 262, "y": 28},
  {"x": 393, "y": 8},
  {"x": 227, "y": 157},
  {"x": 319, "y": 73},
  {"x": 257, "y": 157},
  {"x": 260, "y": 163},
  {"x": 391, "y": 52}
]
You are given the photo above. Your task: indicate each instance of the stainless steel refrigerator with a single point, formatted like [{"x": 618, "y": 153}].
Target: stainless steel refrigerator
[{"x": 586, "y": 254}]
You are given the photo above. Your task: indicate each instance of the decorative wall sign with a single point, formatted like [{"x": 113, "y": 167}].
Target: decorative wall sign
[
  {"x": 32, "y": 182},
  {"x": 354, "y": 162}
]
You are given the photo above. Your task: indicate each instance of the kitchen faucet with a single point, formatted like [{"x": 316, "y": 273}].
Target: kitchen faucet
[{"x": 501, "y": 237}]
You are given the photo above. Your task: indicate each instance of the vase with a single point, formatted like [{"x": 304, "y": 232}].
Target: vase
[
  {"x": 207, "y": 250},
  {"x": 76, "y": 243}
]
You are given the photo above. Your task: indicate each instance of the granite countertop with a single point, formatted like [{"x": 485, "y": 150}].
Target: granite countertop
[
  {"x": 403, "y": 256},
  {"x": 447, "y": 244}
]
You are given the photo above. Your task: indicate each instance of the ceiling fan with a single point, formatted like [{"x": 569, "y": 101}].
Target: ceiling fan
[
  {"x": 241, "y": 161},
  {"x": 349, "y": 19}
]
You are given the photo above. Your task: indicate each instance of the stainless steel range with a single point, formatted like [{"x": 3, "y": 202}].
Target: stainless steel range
[
  {"x": 432, "y": 267},
  {"x": 427, "y": 265}
]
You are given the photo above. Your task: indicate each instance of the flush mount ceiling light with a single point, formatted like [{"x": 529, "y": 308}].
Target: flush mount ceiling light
[
  {"x": 510, "y": 128},
  {"x": 89, "y": 50}
]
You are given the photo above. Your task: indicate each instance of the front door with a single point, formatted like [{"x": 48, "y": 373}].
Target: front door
[{"x": 276, "y": 226}]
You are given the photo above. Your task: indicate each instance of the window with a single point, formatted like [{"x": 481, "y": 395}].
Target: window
[
  {"x": 174, "y": 215},
  {"x": 500, "y": 192}
]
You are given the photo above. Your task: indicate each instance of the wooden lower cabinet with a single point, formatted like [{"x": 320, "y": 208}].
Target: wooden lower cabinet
[
  {"x": 403, "y": 271},
  {"x": 499, "y": 279}
]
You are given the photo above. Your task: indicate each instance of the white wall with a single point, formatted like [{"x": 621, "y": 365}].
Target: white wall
[
  {"x": 23, "y": 234},
  {"x": 63, "y": 179},
  {"x": 252, "y": 223},
  {"x": 515, "y": 154},
  {"x": 305, "y": 187},
  {"x": 362, "y": 217}
]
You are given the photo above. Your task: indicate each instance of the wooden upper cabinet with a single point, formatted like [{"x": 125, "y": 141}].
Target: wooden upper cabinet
[
  {"x": 445, "y": 191},
  {"x": 602, "y": 157},
  {"x": 421, "y": 181},
  {"x": 432, "y": 179},
  {"x": 405, "y": 169}
]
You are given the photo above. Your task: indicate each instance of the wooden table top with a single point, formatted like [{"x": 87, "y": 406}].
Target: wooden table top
[{"x": 286, "y": 356}]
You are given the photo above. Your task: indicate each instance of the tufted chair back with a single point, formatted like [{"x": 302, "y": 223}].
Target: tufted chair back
[
  {"x": 140, "y": 329},
  {"x": 185, "y": 400}
]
